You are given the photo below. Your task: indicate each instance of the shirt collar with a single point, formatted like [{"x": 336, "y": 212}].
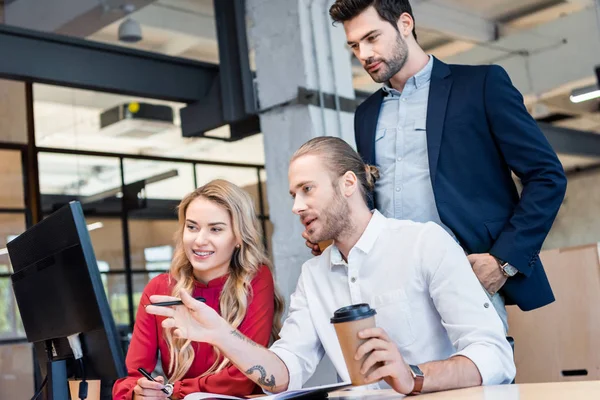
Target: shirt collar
[
  {"x": 419, "y": 79},
  {"x": 389, "y": 90},
  {"x": 216, "y": 282},
  {"x": 335, "y": 257},
  {"x": 365, "y": 242}
]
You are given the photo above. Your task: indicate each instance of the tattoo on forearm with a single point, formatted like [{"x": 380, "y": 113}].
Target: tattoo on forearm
[
  {"x": 267, "y": 383},
  {"x": 263, "y": 381},
  {"x": 238, "y": 335}
]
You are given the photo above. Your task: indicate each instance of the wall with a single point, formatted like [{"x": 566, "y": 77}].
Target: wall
[
  {"x": 578, "y": 220},
  {"x": 11, "y": 179},
  {"x": 16, "y": 366},
  {"x": 13, "y": 116}
]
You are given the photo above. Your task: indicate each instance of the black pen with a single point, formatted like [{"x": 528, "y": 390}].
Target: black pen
[
  {"x": 175, "y": 302},
  {"x": 149, "y": 377}
]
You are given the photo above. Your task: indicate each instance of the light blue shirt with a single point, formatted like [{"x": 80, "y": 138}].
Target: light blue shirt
[{"x": 404, "y": 190}]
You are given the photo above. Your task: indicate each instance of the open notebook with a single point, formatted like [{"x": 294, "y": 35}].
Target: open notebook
[{"x": 313, "y": 392}]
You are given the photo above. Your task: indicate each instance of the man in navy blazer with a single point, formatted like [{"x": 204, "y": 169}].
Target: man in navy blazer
[{"x": 450, "y": 137}]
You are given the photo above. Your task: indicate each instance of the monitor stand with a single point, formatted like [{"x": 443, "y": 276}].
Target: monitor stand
[{"x": 57, "y": 387}]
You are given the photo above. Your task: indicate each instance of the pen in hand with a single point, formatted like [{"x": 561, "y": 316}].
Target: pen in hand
[
  {"x": 175, "y": 302},
  {"x": 149, "y": 377}
]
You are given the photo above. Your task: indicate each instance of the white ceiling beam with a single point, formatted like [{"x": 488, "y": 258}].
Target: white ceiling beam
[
  {"x": 453, "y": 22},
  {"x": 545, "y": 57},
  {"x": 199, "y": 25},
  {"x": 179, "y": 45},
  {"x": 432, "y": 16},
  {"x": 584, "y": 2},
  {"x": 451, "y": 48},
  {"x": 543, "y": 16}
]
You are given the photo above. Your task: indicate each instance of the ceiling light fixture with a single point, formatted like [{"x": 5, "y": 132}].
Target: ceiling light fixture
[
  {"x": 584, "y": 94},
  {"x": 130, "y": 31},
  {"x": 94, "y": 226}
]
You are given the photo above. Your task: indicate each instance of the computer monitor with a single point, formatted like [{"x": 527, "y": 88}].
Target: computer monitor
[{"x": 59, "y": 292}]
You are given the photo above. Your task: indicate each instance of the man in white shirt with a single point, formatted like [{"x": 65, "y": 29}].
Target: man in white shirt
[{"x": 436, "y": 329}]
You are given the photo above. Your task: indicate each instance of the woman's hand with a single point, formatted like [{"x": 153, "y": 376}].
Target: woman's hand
[{"x": 146, "y": 389}]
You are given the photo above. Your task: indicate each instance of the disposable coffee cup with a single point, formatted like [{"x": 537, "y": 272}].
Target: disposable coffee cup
[
  {"x": 348, "y": 321},
  {"x": 324, "y": 244}
]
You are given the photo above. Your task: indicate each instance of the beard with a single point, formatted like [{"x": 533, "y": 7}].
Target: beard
[
  {"x": 391, "y": 67},
  {"x": 335, "y": 220}
]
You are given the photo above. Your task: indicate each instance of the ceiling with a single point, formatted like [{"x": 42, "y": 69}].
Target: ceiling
[
  {"x": 514, "y": 33},
  {"x": 183, "y": 28},
  {"x": 498, "y": 9}
]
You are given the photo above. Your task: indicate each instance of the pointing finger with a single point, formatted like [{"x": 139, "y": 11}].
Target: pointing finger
[{"x": 162, "y": 311}]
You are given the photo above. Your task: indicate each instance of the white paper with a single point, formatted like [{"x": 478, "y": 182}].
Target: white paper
[
  {"x": 278, "y": 396},
  {"x": 204, "y": 395}
]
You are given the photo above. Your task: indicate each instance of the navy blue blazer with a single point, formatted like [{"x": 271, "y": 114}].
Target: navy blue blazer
[{"x": 478, "y": 130}]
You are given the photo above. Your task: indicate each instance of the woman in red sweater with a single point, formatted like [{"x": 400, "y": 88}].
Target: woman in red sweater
[{"x": 219, "y": 256}]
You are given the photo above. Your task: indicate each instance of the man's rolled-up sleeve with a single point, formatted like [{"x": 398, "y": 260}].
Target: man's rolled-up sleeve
[
  {"x": 299, "y": 346},
  {"x": 468, "y": 316}
]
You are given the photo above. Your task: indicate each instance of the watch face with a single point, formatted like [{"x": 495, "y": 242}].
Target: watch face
[
  {"x": 510, "y": 270},
  {"x": 169, "y": 388},
  {"x": 416, "y": 370}
]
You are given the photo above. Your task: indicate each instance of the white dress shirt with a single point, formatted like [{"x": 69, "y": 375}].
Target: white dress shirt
[{"x": 426, "y": 296}]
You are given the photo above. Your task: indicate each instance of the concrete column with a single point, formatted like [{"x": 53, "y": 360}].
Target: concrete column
[{"x": 296, "y": 46}]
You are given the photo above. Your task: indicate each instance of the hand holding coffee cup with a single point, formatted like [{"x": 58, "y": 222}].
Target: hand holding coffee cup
[
  {"x": 384, "y": 361},
  {"x": 348, "y": 322},
  {"x": 369, "y": 353}
]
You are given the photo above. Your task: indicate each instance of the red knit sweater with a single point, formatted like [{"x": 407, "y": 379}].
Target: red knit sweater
[{"x": 148, "y": 339}]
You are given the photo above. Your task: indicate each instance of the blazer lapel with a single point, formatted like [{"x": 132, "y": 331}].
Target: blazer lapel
[
  {"x": 368, "y": 127},
  {"x": 439, "y": 91}
]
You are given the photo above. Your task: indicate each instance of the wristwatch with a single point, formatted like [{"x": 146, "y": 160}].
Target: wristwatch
[
  {"x": 169, "y": 389},
  {"x": 418, "y": 377},
  {"x": 508, "y": 270}
]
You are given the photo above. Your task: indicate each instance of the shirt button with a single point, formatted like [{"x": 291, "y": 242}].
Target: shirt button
[
  {"x": 398, "y": 189},
  {"x": 486, "y": 305},
  {"x": 399, "y": 159},
  {"x": 353, "y": 279},
  {"x": 404, "y": 99}
]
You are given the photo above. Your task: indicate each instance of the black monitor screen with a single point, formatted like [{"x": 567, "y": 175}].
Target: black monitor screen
[{"x": 59, "y": 292}]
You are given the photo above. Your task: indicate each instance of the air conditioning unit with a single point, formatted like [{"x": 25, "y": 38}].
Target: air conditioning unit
[{"x": 136, "y": 120}]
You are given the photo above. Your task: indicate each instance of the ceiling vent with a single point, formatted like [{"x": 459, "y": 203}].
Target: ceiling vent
[{"x": 136, "y": 120}]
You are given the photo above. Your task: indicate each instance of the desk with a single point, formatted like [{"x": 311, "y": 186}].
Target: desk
[{"x": 530, "y": 391}]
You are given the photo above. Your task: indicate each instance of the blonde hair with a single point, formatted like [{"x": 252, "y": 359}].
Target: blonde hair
[
  {"x": 245, "y": 263},
  {"x": 340, "y": 158}
]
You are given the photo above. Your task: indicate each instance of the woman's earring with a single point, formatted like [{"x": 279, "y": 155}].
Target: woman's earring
[{"x": 237, "y": 246}]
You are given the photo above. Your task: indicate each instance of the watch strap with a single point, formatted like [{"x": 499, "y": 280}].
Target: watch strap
[
  {"x": 418, "y": 379},
  {"x": 502, "y": 265}
]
